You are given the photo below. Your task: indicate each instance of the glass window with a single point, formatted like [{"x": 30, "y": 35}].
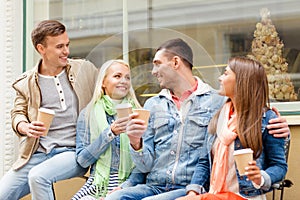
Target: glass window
[{"x": 216, "y": 30}]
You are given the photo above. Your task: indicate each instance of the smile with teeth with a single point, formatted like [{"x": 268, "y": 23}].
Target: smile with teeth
[
  {"x": 122, "y": 88},
  {"x": 64, "y": 58}
]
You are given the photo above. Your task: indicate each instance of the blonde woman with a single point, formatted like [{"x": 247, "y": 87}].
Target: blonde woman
[{"x": 100, "y": 140}]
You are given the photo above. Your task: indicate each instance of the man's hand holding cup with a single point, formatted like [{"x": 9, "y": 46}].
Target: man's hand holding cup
[{"x": 136, "y": 127}]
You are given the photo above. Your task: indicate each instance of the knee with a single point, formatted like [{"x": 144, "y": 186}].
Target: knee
[
  {"x": 35, "y": 177},
  {"x": 116, "y": 195}
]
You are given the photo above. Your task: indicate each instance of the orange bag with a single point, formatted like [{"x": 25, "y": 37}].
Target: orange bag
[{"x": 219, "y": 196}]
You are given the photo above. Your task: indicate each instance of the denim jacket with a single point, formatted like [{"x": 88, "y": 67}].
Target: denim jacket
[
  {"x": 87, "y": 153},
  {"x": 271, "y": 162},
  {"x": 174, "y": 138}
]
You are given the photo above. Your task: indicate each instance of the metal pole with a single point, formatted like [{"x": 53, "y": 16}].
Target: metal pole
[{"x": 125, "y": 32}]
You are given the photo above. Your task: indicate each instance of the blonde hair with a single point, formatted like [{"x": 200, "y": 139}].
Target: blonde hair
[{"x": 98, "y": 92}]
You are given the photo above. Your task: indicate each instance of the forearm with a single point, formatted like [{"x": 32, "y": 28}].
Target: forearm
[
  {"x": 89, "y": 154},
  {"x": 22, "y": 128},
  {"x": 143, "y": 158},
  {"x": 19, "y": 113},
  {"x": 200, "y": 178},
  {"x": 136, "y": 177}
]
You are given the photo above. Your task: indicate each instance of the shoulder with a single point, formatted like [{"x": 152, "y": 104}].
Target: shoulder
[
  {"x": 211, "y": 99},
  {"x": 82, "y": 67},
  {"x": 79, "y": 62},
  {"x": 267, "y": 115},
  {"x": 152, "y": 101},
  {"x": 23, "y": 78},
  {"x": 158, "y": 101}
]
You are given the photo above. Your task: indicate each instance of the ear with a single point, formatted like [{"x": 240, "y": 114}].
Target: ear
[
  {"x": 40, "y": 48},
  {"x": 177, "y": 62}
]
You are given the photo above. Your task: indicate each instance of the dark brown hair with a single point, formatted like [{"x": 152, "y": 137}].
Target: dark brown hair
[
  {"x": 251, "y": 100},
  {"x": 178, "y": 47},
  {"x": 46, "y": 28}
]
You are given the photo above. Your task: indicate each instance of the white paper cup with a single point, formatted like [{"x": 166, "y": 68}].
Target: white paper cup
[
  {"x": 242, "y": 157},
  {"x": 123, "y": 110},
  {"x": 143, "y": 115},
  {"x": 46, "y": 116}
]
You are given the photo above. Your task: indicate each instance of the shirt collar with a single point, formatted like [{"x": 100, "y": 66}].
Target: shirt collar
[{"x": 185, "y": 95}]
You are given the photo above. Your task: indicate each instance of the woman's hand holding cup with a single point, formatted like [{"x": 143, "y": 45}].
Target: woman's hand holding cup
[
  {"x": 253, "y": 172},
  {"x": 119, "y": 126}
]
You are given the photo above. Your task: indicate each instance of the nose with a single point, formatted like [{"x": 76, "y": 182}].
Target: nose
[
  {"x": 220, "y": 78},
  {"x": 123, "y": 80},
  {"x": 154, "y": 70},
  {"x": 66, "y": 50}
]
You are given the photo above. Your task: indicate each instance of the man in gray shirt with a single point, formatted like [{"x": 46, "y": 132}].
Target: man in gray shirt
[{"x": 57, "y": 83}]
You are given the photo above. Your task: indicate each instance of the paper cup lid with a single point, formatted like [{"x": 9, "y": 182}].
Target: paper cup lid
[
  {"x": 46, "y": 110},
  {"x": 123, "y": 105},
  {"x": 242, "y": 151}
]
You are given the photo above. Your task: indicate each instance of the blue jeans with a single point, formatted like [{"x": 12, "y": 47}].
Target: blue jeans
[
  {"x": 38, "y": 175},
  {"x": 145, "y": 192}
]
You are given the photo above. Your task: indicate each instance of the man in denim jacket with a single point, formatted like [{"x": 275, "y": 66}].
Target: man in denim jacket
[{"x": 169, "y": 148}]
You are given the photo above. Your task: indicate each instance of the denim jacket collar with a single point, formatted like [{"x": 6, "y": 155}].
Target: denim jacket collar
[{"x": 201, "y": 89}]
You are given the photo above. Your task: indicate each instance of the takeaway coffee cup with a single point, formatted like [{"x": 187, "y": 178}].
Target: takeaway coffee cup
[
  {"x": 123, "y": 110},
  {"x": 242, "y": 157},
  {"x": 143, "y": 114},
  {"x": 46, "y": 116}
]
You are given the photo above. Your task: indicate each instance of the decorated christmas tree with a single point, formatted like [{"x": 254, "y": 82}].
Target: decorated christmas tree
[{"x": 268, "y": 49}]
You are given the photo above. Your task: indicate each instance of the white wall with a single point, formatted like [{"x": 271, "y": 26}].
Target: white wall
[{"x": 10, "y": 67}]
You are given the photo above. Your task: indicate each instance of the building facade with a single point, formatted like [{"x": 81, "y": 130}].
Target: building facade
[{"x": 132, "y": 29}]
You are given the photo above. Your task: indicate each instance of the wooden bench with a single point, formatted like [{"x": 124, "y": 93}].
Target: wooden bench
[{"x": 64, "y": 190}]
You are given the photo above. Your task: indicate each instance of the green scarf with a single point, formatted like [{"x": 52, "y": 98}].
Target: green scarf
[{"x": 98, "y": 122}]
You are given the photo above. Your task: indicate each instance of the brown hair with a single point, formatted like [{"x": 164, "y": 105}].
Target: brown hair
[
  {"x": 178, "y": 47},
  {"x": 252, "y": 99},
  {"x": 46, "y": 28}
]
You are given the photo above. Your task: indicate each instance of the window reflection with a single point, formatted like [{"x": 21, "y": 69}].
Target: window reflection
[{"x": 95, "y": 30}]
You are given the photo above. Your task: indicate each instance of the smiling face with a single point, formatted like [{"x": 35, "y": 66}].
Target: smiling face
[
  {"x": 163, "y": 70},
  {"x": 55, "y": 51},
  {"x": 227, "y": 83},
  {"x": 116, "y": 83}
]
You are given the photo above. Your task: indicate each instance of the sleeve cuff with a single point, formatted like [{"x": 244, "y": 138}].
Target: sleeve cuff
[
  {"x": 262, "y": 181},
  {"x": 197, "y": 188},
  {"x": 265, "y": 181},
  {"x": 111, "y": 135},
  {"x": 136, "y": 152}
]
